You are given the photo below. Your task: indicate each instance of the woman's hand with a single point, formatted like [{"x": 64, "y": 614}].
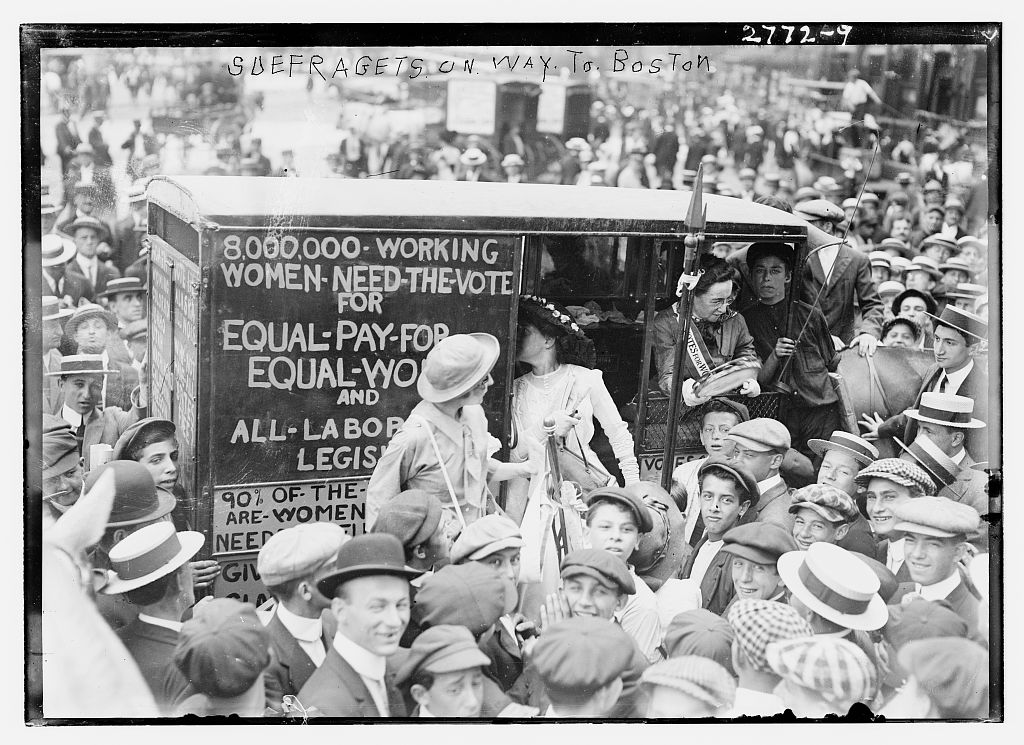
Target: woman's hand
[
  {"x": 690, "y": 398},
  {"x": 563, "y": 423},
  {"x": 750, "y": 388}
]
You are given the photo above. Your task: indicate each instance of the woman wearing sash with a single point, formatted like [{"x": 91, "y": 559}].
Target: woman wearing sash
[
  {"x": 444, "y": 447},
  {"x": 717, "y": 334},
  {"x": 561, "y": 385}
]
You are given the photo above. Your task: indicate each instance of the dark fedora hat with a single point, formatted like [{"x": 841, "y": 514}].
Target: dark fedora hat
[
  {"x": 368, "y": 555},
  {"x": 136, "y": 498}
]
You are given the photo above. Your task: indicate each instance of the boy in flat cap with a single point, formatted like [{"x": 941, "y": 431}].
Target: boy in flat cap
[
  {"x": 414, "y": 518},
  {"x": 936, "y": 531},
  {"x": 688, "y": 687},
  {"x": 444, "y": 673},
  {"x": 843, "y": 455},
  {"x": 288, "y": 564},
  {"x": 615, "y": 520},
  {"x": 759, "y": 446},
  {"x": 223, "y": 650},
  {"x": 821, "y": 513},
  {"x": 821, "y": 675},
  {"x": 755, "y": 549},
  {"x": 702, "y": 633},
  {"x": 757, "y": 623},
  {"x": 369, "y": 590},
  {"x": 948, "y": 678},
  {"x": 727, "y": 491},
  {"x": 581, "y": 662},
  {"x": 62, "y": 466}
]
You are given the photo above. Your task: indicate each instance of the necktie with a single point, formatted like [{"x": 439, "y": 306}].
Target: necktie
[
  {"x": 698, "y": 531},
  {"x": 943, "y": 380},
  {"x": 80, "y": 435},
  {"x": 381, "y": 697}
]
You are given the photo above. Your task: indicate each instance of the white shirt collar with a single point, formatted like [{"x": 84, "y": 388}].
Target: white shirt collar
[
  {"x": 172, "y": 625},
  {"x": 769, "y": 483},
  {"x": 425, "y": 713},
  {"x": 957, "y": 378},
  {"x": 958, "y": 457},
  {"x": 303, "y": 629},
  {"x": 71, "y": 416},
  {"x": 362, "y": 660},
  {"x": 940, "y": 590},
  {"x": 894, "y": 555}
]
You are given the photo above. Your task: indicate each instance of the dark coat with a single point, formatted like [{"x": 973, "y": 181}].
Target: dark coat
[
  {"x": 962, "y": 600},
  {"x": 851, "y": 279},
  {"x": 903, "y": 575},
  {"x": 506, "y": 658},
  {"x": 127, "y": 242},
  {"x": 72, "y": 284},
  {"x": 336, "y": 690},
  {"x": 291, "y": 667},
  {"x": 152, "y": 648},
  {"x": 734, "y": 342},
  {"x": 716, "y": 586},
  {"x": 773, "y": 507},
  {"x": 67, "y": 141},
  {"x": 106, "y": 427},
  {"x": 104, "y": 274},
  {"x": 860, "y": 538}
]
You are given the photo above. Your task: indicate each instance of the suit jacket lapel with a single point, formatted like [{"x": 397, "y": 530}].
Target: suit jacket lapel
[
  {"x": 298, "y": 664},
  {"x": 770, "y": 496},
  {"x": 816, "y": 270},
  {"x": 350, "y": 681},
  {"x": 843, "y": 259}
]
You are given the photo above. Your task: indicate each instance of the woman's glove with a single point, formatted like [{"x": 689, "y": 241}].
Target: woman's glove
[
  {"x": 750, "y": 388},
  {"x": 689, "y": 397}
]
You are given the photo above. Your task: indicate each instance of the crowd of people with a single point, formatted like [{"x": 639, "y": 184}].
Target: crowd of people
[{"x": 791, "y": 567}]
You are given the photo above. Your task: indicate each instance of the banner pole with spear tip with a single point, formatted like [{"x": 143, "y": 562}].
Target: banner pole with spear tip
[{"x": 695, "y": 221}]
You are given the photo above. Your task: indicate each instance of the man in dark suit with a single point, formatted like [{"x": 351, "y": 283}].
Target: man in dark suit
[
  {"x": 69, "y": 287},
  {"x": 369, "y": 591},
  {"x": 129, "y": 230},
  {"x": 67, "y": 138},
  {"x": 936, "y": 531},
  {"x": 956, "y": 371},
  {"x": 151, "y": 569},
  {"x": 760, "y": 445},
  {"x": 287, "y": 564},
  {"x": 88, "y": 233}
]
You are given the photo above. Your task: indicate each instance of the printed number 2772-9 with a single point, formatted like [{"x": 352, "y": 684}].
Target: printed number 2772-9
[{"x": 804, "y": 37}]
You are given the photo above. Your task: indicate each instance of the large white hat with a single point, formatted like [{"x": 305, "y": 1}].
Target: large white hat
[
  {"x": 148, "y": 554},
  {"x": 57, "y": 249},
  {"x": 455, "y": 365},
  {"x": 836, "y": 585}
]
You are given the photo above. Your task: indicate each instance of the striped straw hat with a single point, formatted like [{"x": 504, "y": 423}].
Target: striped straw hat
[
  {"x": 927, "y": 454},
  {"x": 946, "y": 409},
  {"x": 836, "y": 669},
  {"x": 857, "y": 447}
]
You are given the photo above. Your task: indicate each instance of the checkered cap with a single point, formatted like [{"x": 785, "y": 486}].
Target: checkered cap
[
  {"x": 700, "y": 677},
  {"x": 898, "y": 471},
  {"x": 831, "y": 503},
  {"x": 837, "y": 669},
  {"x": 758, "y": 623}
]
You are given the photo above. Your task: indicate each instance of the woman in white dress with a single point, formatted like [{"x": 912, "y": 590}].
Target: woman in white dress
[{"x": 560, "y": 385}]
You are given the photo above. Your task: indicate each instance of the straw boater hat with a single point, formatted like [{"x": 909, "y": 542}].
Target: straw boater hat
[
  {"x": 938, "y": 239},
  {"x": 880, "y": 258},
  {"x": 967, "y": 290},
  {"x": 836, "y": 585},
  {"x": 473, "y": 156},
  {"x": 946, "y": 409},
  {"x": 57, "y": 249},
  {"x": 927, "y": 454},
  {"x": 956, "y": 264},
  {"x": 858, "y": 448},
  {"x": 52, "y": 310},
  {"x": 148, "y": 554},
  {"x": 971, "y": 326},
  {"x": 455, "y": 365},
  {"x": 86, "y": 312},
  {"x": 512, "y": 159},
  {"x": 890, "y": 287},
  {"x": 925, "y": 264},
  {"x": 123, "y": 284},
  {"x": 81, "y": 364},
  {"x": 86, "y": 221}
]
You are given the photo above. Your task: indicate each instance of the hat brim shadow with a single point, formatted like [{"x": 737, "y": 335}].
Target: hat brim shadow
[
  {"x": 191, "y": 542},
  {"x": 874, "y": 617}
]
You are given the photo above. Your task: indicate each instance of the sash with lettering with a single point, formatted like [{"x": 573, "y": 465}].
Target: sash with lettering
[{"x": 697, "y": 352}]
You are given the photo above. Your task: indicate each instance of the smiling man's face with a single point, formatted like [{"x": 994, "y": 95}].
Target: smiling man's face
[{"x": 373, "y": 612}]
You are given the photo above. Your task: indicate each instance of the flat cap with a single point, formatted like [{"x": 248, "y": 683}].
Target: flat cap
[
  {"x": 700, "y": 677},
  {"x": 758, "y": 623},
  {"x": 630, "y": 501},
  {"x": 761, "y": 543},
  {"x": 923, "y": 619},
  {"x": 703, "y": 633},
  {"x": 899, "y": 472},
  {"x": 442, "y": 649},
  {"x": 412, "y": 517},
  {"x": 484, "y": 537},
  {"x": 135, "y": 330},
  {"x": 605, "y": 567},
  {"x": 831, "y": 503},
  {"x": 470, "y": 595},
  {"x": 953, "y": 672},
  {"x": 818, "y": 209},
  {"x": 299, "y": 551},
  {"x": 763, "y": 435},
  {"x": 837, "y": 669},
  {"x": 223, "y": 648},
  {"x": 741, "y": 473},
  {"x": 60, "y": 448},
  {"x": 577, "y": 657},
  {"x": 935, "y": 516}
]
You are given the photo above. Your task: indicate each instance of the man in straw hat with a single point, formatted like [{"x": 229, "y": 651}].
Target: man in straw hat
[
  {"x": 473, "y": 161},
  {"x": 80, "y": 382},
  {"x": 53, "y": 329},
  {"x": 936, "y": 531},
  {"x": 821, "y": 675},
  {"x": 88, "y": 233},
  {"x": 57, "y": 251},
  {"x": 93, "y": 330},
  {"x": 956, "y": 371},
  {"x": 368, "y": 586},
  {"x": 757, "y": 623},
  {"x": 842, "y": 457},
  {"x": 688, "y": 687},
  {"x": 965, "y": 295},
  {"x": 287, "y": 565},
  {"x": 444, "y": 447},
  {"x": 150, "y": 567}
]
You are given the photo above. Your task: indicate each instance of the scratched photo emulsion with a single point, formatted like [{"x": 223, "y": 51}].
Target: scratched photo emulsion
[{"x": 656, "y": 380}]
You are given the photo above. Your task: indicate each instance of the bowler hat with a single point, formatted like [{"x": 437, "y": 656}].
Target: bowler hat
[
  {"x": 299, "y": 551},
  {"x": 972, "y": 327},
  {"x": 886, "y": 579},
  {"x": 223, "y": 649},
  {"x": 630, "y": 501},
  {"x": 442, "y": 649},
  {"x": 605, "y": 567},
  {"x": 856, "y": 447},
  {"x": 372, "y": 554},
  {"x": 57, "y": 249},
  {"x": 833, "y": 583},
  {"x": 929, "y": 301},
  {"x": 84, "y": 313},
  {"x": 946, "y": 409},
  {"x": 81, "y": 364},
  {"x": 927, "y": 454},
  {"x": 147, "y": 554},
  {"x": 412, "y": 516},
  {"x": 761, "y": 543},
  {"x": 456, "y": 365},
  {"x": 123, "y": 284},
  {"x": 60, "y": 448},
  {"x": 136, "y": 498},
  {"x": 164, "y": 427}
]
